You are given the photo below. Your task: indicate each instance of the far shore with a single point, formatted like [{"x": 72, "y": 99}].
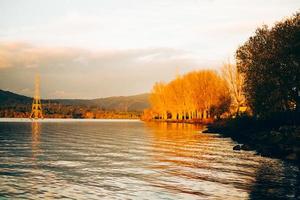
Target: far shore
[{"x": 65, "y": 120}]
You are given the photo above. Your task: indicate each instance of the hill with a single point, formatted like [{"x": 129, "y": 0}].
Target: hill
[
  {"x": 8, "y": 99},
  {"x": 117, "y": 103}
]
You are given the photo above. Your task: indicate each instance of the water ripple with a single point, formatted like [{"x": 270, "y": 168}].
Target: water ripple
[{"x": 133, "y": 160}]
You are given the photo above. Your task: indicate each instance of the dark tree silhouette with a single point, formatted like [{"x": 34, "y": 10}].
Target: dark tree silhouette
[{"x": 270, "y": 62}]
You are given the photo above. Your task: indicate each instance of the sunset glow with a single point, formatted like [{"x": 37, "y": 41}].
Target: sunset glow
[{"x": 81, "y": 48}]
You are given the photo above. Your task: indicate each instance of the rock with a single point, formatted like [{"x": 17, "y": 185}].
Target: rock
[
  {"x": 237, "y": 147},
  {"x": 292, "y": 156},
  {"x": 208, "y": 131},
  {"x": 245, "y": 147},
  {"x": 287, "y": 129},
  {"x": 274, "y": 133},
  {"x": 274, "y": 137},
  {"x": 261, "y": 136},
  {"x": 296, "y": 149}
]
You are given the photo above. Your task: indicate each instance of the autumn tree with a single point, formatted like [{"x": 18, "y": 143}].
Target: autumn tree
[
  {"x": 158, "y": 100},
  {"x": 196, "y": 95},
  {"x": 235, "y": 82}
]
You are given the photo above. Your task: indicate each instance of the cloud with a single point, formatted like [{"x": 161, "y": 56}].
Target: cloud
[
  {"x": 19, "y": 54},
  {"x": 124, "y": 46},
  {"x": 82, "y": 73}
]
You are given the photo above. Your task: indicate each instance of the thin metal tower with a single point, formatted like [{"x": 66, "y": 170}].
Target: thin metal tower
[{"x": 36, "y": 111}]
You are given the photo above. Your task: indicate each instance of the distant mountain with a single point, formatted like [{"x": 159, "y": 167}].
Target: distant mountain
[
  {"x": 127, "y": 103},
  {"x": 9, "y": 99},
  {"x": 117, "y": 103}
]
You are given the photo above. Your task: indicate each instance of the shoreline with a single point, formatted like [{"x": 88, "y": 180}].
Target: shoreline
[
  {"x": 275, "y": 141},
  {"x": 200, "y": 122},
  {"x": 66, "y": 120},
  {"x": 281, "y": 142}
]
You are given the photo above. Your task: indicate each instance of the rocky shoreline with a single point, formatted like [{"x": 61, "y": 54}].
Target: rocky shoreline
[{"x": 278, "y": 141}]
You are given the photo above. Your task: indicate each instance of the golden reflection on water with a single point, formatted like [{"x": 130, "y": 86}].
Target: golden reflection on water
[
  {"x": 35, "y": 142},
  {"x": 176, "y": 153},
  {"x": 134, "y": 160},
  {"x": 36, "y": 130},
  {"x": 183, "y": 153},
  {"x": 175, "y": 132},
  {"x": 35, "y": 138},
  {"x": 177, "y": 140}
]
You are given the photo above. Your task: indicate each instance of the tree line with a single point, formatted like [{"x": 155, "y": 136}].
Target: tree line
[
  {"x": 57, "y": 110},
  {"x": 195, "y": 95},
  {"x": 265, "y": 79}
]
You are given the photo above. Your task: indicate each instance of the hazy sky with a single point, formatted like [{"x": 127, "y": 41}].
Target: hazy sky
[{"x": 90, "y": 49}]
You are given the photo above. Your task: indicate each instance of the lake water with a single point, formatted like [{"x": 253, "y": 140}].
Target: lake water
[{"x": 104, "y": 159}]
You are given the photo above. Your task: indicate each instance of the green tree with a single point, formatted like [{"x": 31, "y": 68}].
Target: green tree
[{"x": 270, "y": 62}]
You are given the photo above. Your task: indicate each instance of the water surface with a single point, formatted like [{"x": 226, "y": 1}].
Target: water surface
[{"x": 86, "y": 159}]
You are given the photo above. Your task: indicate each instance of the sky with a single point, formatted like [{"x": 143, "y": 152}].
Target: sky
[{"x": 99, "y": 48}]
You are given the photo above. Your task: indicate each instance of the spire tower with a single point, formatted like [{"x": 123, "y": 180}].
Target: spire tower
[{"x": 36, "y": 111}]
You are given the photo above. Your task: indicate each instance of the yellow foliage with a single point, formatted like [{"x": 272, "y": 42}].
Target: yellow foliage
[{"x": 191, "y": 96}]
